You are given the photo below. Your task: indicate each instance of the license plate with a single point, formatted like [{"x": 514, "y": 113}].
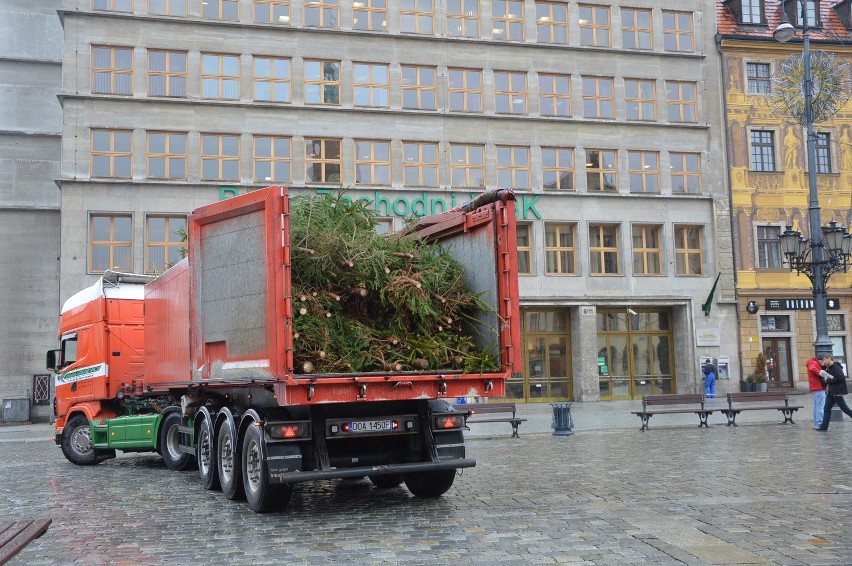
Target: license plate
[{"x": 356, "y": 427}]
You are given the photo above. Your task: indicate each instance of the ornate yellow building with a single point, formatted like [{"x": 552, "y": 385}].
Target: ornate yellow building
[{"x": 769, "y": 184}]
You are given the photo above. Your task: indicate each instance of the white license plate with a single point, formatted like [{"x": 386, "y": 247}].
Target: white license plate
[{"x": 369, "y": 426}]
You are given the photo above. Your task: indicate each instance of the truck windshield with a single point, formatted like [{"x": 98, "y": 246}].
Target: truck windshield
[{"x": 69, "y": 351}]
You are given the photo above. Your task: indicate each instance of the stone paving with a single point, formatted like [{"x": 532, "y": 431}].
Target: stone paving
[{"x": 761, "y": 493}]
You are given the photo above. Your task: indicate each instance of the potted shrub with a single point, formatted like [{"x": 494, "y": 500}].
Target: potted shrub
[
  {"x": 760, "y": 373},
  {"x": 749, "y": 384}
]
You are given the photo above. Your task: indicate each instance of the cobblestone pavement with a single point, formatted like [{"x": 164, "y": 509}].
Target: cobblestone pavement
[{"x": 756, "y": 494}]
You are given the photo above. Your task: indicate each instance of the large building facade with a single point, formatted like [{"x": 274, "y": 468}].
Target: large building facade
[
  {"x": 30, "y": 129},
  {"x": 606, "y": 119},
  {"x": 769, "y": 184}
]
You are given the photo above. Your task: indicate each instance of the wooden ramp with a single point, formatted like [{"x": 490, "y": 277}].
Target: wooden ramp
[{"x": 15, "y": 535}]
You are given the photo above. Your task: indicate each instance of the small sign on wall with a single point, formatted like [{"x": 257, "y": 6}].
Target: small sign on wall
[
  {"x": 708, "y": 337},
  {"x": 587, "y": 311}
]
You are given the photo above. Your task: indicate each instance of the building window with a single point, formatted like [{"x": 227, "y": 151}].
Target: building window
[
  {"x": 554, "y": 95},
  {"x": 640, "y": 97},
  {"x": 813, "y": 13},
  {"x": 689, "y": 255},
  {"x": 603, "y": 249},
  {"x": 370, "y": 15},
  {"x": 272, "y": 79},
  {"x": 465, "y": 90},
  {"x": 598, "y": 101},
  {"x": 372, "y": 162},
  {"x": 417, "y": 16},
  {"x": 110, "y": 245},
  {"x": 322, "y": 160},
  {"x": 775, "y": 323},
  {"x": 322, "y": 82},
  {"x": 164, "y": 242},
  {"x": 681, "y": 101},
  {"x": 759, "y": 79},
  {"x": 322, "y": 14},
  {"x": 166, "y": 73},
  {"x": 560, "y": 249},
  {"x": 220, "y": 157},
  {"x": 418, "y": 88},
  {"x": 552, "y": 22},
  {"x": 113, "y": 5},
  {"x": 823, "y": 152},
  {"x": 167, "y": 7},
  {"x": 636, "y": 28},
  {"x": 467, "y": 166},
  {"x": 513, "y": 167},
  {"x": 769, "y": 247},
  {"x": 677, "y": 31},
  {"x": 272, "y": 159},
  {"x": 220, "y": 76},
  {"x": 384, "y": 225},
  {"x": 112, "y": 70},
  {"x": 227, "y": 10},
  {"x": 272, "y": 11},
  {"x": 752, "y": 11},
  {"x": 524, "y": 244},
  {"x": 762, "y": 150},
  {"x": 510, "y": 92},
  {"x": 644, "y": 171},
  {"x": 647, "y": 250},
  {"x": 557, "y": 164},
  {"x": 166, "y": 155},
  {"x": 111, "y": 151},
  {"x": 685, "y": 170},
  {"x": 508, "y": 19},
  {"x": 601, "y": 170},
  {"x": 371, "y": 85},
  {"x": 463, "y": 18},
  {"x": 420, "y": 166},
  {"x": 594, "y": 26}
]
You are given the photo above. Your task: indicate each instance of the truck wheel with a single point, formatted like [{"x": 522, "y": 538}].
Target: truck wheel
[
  {"x": 430, "y": 484},
  {"x": 206, "y": 456},
  {"x": 169, "y": 441},
  {"x": 228, "y": 462},
  {"x": 261, "y": 495},
  {"x": 77, "y": 441},
  {"x": 386, "y": 481}
]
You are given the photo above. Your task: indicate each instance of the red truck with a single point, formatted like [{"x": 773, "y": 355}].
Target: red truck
[{"x": 197, "y": 364}]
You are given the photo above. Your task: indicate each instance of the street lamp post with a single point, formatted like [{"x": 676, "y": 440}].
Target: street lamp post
[{"x": 817, "y": 257}]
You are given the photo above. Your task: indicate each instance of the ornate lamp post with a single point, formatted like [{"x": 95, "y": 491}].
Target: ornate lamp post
[{"x": 827, "y": 251}]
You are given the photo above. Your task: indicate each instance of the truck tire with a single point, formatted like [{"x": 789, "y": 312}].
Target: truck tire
[
  {"x": 228, "y": 461},
  {"x": 430, "y": 484},
  {"x": 205, "y": 454},
  {"x": 77, "y": 441},
  {"x": 261, "y": 495},
  {"x": 386, "y": 481},
  {"x": 169, "y": 441}
]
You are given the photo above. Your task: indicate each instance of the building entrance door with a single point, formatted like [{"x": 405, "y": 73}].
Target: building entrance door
[
  {"x": 547, "y": 363},
  {"x": 779, "y": 364}
]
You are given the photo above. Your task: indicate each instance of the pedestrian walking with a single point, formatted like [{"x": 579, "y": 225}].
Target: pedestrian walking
[
  {"x": 709, "y": 380},
  {"x": 835, "y": 389},
  {"x": 817, "y": 387}
]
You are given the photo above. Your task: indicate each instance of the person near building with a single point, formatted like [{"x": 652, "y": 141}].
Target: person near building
[
  {"x": 817, "y": 387},
  {"x": 835, "y": 389},
  {"x": 709, "y": 380}
]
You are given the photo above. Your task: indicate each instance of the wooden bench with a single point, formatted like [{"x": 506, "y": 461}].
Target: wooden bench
[
  {"x": 475, "y": 409},
  {"x": 15, "y": 535},
  {"x": 667, "y": 400},
  {"x": 760, "y": 397}
]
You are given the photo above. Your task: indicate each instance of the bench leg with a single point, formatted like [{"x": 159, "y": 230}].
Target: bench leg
[
  {"x": 788, "y": 415},
  {"x": 515, "y": 429},
  {"x": 644, "y": 419},
  {"x": 702, "y": 417},
  {"x": 732, "y": 418}
]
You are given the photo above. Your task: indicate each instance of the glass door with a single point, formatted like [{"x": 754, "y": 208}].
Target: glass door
[
  {"x": 779, "y": 365},
  {"x": 547, "y": 364}
]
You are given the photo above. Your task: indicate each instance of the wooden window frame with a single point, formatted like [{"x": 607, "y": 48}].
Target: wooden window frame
[
  {"x": 677, "y": 34},
  {"x": 418, "y": 88},
  {"x": 600, "y": 171},
  {"x": 558, "y": 168},
  {"x": 323, "y": 160},
  {"x": 525, "y": 251},
  {"x": 762, "y": 151},
  {"x": 598, "y": 100},
  {"x": 219, "y": 5},
  {"x": 113, "y": 71},
  {"x": 676, "y": 100},
  {"x": 684, "y": 253},
  {"x": 631, "y": 28},
  {"x": 372, "y": 164},
  {"x": 166, "y": 244},
  {"x": 515, "y": 169},
  {"x": 762, "y": 84},
  {"x": 168, "y": 8},
  {"x": 679, "y": 169},
  {"x": 416, "y": 15},
  {"x": 168, "y": 155},
  {"x": 168, "y": 74},
  {"x": 220, "y": 157},
  {"x": 554, "y": 254},
  {"x": 592, "y": 24},
  {"x": 645, "y": 107},
  {"x": 322, "y": 82},
  {"x": 763, "y": 247},
  {"x": 270, "y": 7},
  {"x": 112, "y": 6},
  {"x": 822, "y": 150},
  {"x": 645, "y": 179},
  {"x": 372, "y": 88},
  {"x": 550, "y": 95},
  {"x": 464, "y": 18},
  {"x": 112, "y": 244},
  {"x": 467, "y": 166},
  {"x": 643, "y": 251},
  {"x": 752, "y": 10},
  {"x": 327, "y": 11},
  {"x": 601, "y": 250},
  {"x": 465, "y": 91},
  {"x": 368, "y": 10},
  {"x": 549, "y": 22},
  {"x": 419, "y": 164},
  {"x": 503, "y": 24},
  {"x": 111, "y": 154},
  {"x": 272, "y": 80},
  {"x": 220, "y": 77},
  {"x": 273, "y": 159},
  {"x": 508, "y": 93}
]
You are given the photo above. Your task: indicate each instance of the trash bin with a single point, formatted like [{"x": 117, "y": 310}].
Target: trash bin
[
  {"x": 16, "y": 410},
  {"x": 562, "y": 423}
]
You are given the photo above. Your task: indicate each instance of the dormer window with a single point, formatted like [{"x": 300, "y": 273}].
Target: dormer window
[
  {"x": 844, "y": 12},
  {"x": 794, "y": 12},
  {"x": 749, "y": 12}
]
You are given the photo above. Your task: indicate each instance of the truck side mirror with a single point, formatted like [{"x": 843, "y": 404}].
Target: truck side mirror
[{"x": 52, "y": 360}]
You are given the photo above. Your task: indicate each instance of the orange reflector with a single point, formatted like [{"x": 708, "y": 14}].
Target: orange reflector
[{"x": 450, "y": 421}]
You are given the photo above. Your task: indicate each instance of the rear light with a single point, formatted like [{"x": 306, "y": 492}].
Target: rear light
[
  {"x": 288, "y": 431},
  {"x": 444, "y": 422}
]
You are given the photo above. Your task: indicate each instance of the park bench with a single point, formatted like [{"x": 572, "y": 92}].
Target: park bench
[
  {"x": 695, "y": 399},
  {"x": 15, "y": 535},
  {"x": 774, "y": 397},
  {"x": 476, "y": 409}
]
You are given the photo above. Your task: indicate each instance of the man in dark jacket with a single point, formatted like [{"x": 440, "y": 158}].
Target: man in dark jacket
[{"x": 835, "y": 389}]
